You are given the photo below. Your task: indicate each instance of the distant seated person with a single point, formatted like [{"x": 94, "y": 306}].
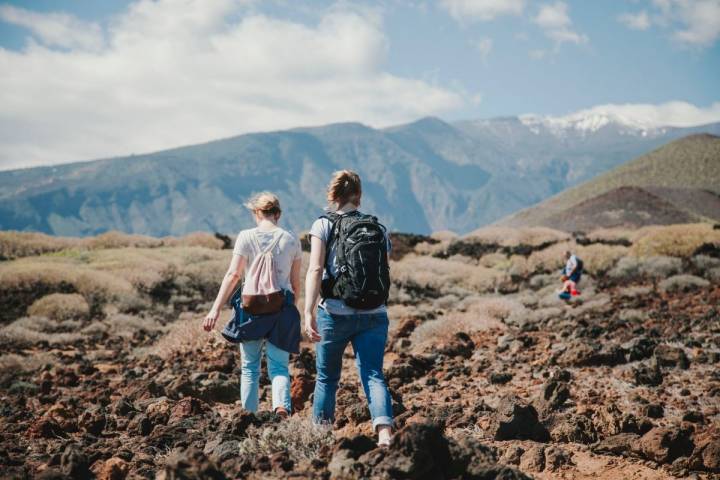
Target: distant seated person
[{"x": 571, "y": 275}]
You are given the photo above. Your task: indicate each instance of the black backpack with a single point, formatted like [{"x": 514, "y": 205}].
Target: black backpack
[
  {"x": 580, "y": 266},
  {"x": 363, "y": 280}
]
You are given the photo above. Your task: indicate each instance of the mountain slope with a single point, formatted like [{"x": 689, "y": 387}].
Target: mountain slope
[
  {"x": 424, "y": 176},
  {"x": 676, "y": 183}
]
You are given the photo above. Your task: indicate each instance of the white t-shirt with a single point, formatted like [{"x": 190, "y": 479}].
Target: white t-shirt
[
  {"x": 321, "y": 229},
  {"x": 286, "y": 251}
]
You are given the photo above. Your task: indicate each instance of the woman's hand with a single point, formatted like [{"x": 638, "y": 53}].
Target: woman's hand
[
  {"x": 210, "y": 320},
  {"x": 311, "y": 326}
]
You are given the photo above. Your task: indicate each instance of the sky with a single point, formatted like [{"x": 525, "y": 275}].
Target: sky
[{"x": 83, "y": 79}]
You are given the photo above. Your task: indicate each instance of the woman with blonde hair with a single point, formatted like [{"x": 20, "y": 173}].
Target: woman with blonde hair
[
  {"x": 349, "y": 272},
  {"x": 271, "y": 258}
]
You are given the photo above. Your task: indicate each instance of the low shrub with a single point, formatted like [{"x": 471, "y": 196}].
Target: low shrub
[
  {"x": 12, "y": 362},
  {"x": 550, "y": 259},
  {"x": 445, "y": 327},
  {"x": 660, "y": 266},
  {"x": 683, "y": 283},
  {"x": 513, "y": 237},
  {"x": 673, "y": 240},
  {"x": 445, "y": 275},
  {"x": 186, "y": 335},
  {"x": 302, "y": 440},
  {"x": 653, "y": 267},
  {"x": 632, "y": 315},
  {"x": 26, "y": 244},
  {"x": 598, "y": 259},
  {"x": 705, "y": 263},
  {"x": 713, "y": 275},
  {"x": 196, "y": 239},
  {"x": 60, "y": 306},
  {"x": 29, "y": 331},
  {"x": 115, "y": 239}
]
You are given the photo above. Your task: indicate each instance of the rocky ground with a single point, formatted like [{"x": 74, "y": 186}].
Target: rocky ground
[{"x": 623, "y": 382}]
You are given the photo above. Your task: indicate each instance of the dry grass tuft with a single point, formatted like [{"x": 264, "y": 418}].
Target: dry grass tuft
[
  {"x": 187, "y": 335},
  {"x": 683, "y": 283},
  {"x": 598, "y": 258},
  {"x": 673, "y": 240},
  {"x": 25, "y": 244},
  {"x": 512, "y": 237},
  {"x": 445, "y": 327},
  {"x": 60, "y": 306},
  {"x": 28, "y": 244},
  {"x": 446, "y": 275},
  {"x": 11, "y": 362},
  {"x": 29, "y": 331},
  {"x": 302, "y": 440}
]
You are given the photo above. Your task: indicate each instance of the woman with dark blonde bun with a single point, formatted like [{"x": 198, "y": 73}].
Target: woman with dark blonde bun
[
  {"x": 349, "y": 274},
  {"x": 278, "y": 332}
]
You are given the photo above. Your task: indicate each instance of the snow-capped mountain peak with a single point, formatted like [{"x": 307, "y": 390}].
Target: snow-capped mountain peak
[{"x": 588, "y": 121}]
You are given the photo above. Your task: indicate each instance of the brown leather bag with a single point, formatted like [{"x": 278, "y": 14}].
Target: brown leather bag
[
  {"x": 261, "y": 294},
  {"x": 263, "y": 304}
]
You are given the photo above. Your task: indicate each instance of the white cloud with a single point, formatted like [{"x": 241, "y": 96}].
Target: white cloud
[
  {"x": 635, "y": 21},
  {"x": 55, "y": 29},
  {"x": 670, "y": 114},
  {"x": 553, "y": 18},
  {"x": 176, "y": 72},
  {"x": 700, "y": 20},
  {"x": 693, "y": 22},
  {"x": 484, "y": 46},
  {"x": 482, "y": 10}
]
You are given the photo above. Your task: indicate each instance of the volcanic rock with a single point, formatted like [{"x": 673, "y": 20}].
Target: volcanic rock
[
  {"x": 344, "y": 460},
  {"x": 514, "y": 419},
  {"x": 670, "y": 356},
  {"x": 591, "y": 354},
  {"x": 573, "y": 428},
  {"x": 665, "y": 444},
  {"x": 470, "y": 458},
  {"x": 620, "y": 444},
  {"x": 653, "y": 410},
  {"x": 459, "y": 346},
  {"x": 556, "y": 458},
  {"x": 74, "y": 462},
  {"x": 552, "y": 396},
  {"x": 300, "y": 389},
  {"x": 512, "y": 455},
  {"x": 113, "y": 469},
  {"x": 187, "y": 407},
  {"x": 639, "y": 348},
  {"x": 191, "y": 464},
  {"x": 418, "y": 451},
  {"x": 533, "y": 460},
  {"x": 648, "y": 374},
  {"x": 45, "y": 428},
  {"x": 498, "y": 378},
  {"x": 93, "y": 421}
]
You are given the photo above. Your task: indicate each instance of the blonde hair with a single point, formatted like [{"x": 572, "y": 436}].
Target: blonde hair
[
  {"x": 265, "y": 203},
  {"x": 344, "y": 187}
]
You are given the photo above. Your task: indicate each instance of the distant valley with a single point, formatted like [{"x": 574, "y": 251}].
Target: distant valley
[{"x": 425, "y": 176}]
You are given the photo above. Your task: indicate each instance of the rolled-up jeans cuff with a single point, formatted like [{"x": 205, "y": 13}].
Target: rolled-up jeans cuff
[{"x": 382, "y": 421}]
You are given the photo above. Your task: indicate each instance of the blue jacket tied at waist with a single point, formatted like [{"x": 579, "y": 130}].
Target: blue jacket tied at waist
[{"x": 282, "y": 329}]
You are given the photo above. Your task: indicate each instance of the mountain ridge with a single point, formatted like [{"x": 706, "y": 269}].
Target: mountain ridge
[
  {"x": 678, "y": 173},
  {"x": 422, "y": 176}
]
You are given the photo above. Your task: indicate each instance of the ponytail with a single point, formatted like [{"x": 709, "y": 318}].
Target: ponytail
[{"x": 344, "y": 187}]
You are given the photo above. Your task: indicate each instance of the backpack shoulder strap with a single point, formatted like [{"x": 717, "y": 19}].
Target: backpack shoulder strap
[{"x": 334, "y": 219}]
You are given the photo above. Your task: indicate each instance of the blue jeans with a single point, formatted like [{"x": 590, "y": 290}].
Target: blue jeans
[
  {"x": 277, "y": 361},
  {"x": 368, "y": 334}
]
